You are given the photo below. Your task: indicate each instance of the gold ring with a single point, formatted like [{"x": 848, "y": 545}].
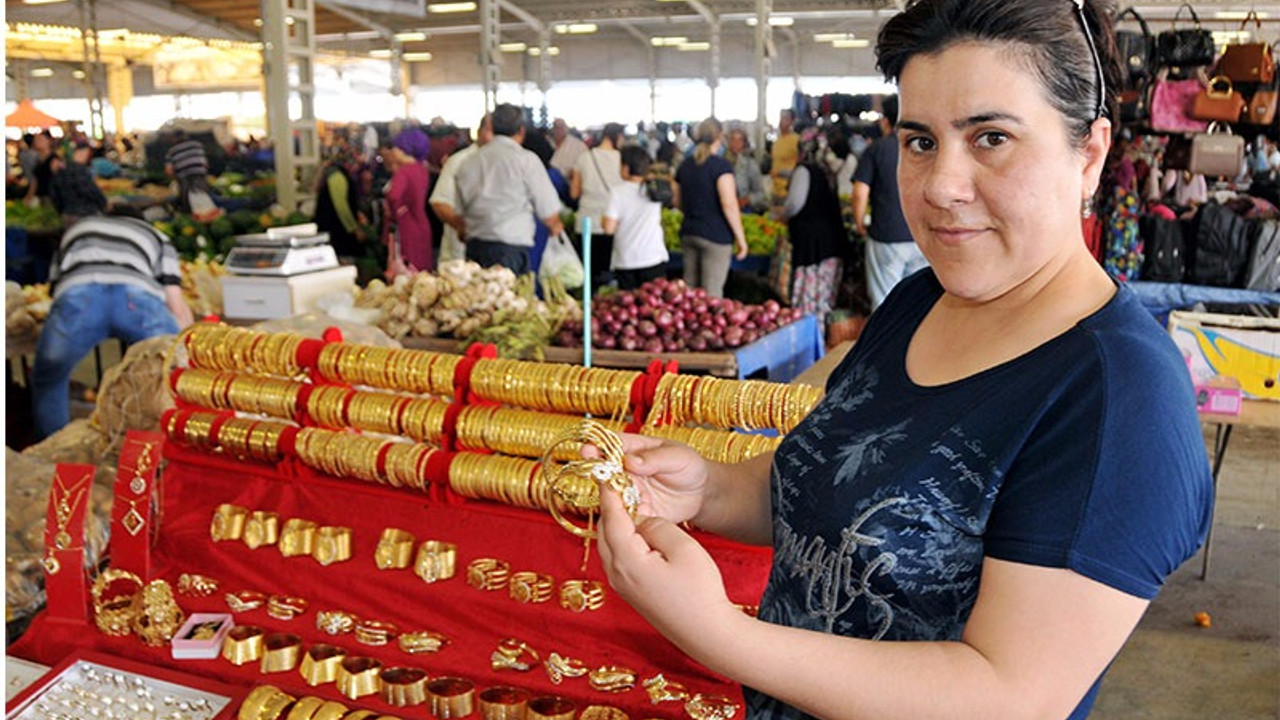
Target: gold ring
[
  {"x": 228, "y": 522},
  {"x": 436, "y": 560},
  {"x": 281, "y": 652},
  {"x": 320, "y": 664},
  {"x": 603, "y": 712},
  {"x": 710, "y": 707},
  {"x": 331, "y": 711},
  {"x": 284, "y": 607},
  {"x": 550, "y": 707},
  {"x": 375, "y": 632},
  {"x": 403, "y": 686},
  {"x": 196, "y": 585},
  {"x": 560, "y": 667},
  {"x": 612, "y": 678},
  {"x": 451, "y": 697},
  {"x": 358, "y": 676},
  {"x": 531, "y": 587},
  {"x": 245, "y": 600},
  {"x": 423, "y": 641},
  {"x": 298, "y": 537},
  {"x": 305, "y": 709},
  {"x": 661, "y": 689},
  {"x": 336, "y": 622},
  {"x": 488, "y": 574},
  {"x": 333, "y": 544},
  {"x": 513, "y": 654},
  {"x": 243, "y": 644},
  {"x": 264, "y": 701},
  {"x": 581, "y": 595},
  {"x": 503, "y": 703},
  {"x": 262, "y": 528},
  {"x": 394, "y": 551}
]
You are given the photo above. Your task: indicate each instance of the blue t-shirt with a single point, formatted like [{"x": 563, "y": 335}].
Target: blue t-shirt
[
  {"x": 878, "y": 169},
  {"x": 700, "y": 201},
  {"x": 1084, "y": 453}
]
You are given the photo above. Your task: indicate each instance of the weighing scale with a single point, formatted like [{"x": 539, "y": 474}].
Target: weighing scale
[{"x": 282, "y": 252}]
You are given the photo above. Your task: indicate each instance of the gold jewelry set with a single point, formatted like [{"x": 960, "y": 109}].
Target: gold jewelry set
[
  {"x": 326, "y": 544},
  {"x": 726, "y": 404},
  {"x": 66, "y": 500},
  {"x": 214, "y": 346},
  {"x": 266, "y": 702},
  {"x": 413, "y": 371}
]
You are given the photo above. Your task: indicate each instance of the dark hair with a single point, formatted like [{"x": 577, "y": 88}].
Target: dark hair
[
  {"x": 507, "y": 119},
  {"x": 537, "y": 143},
  {"x": 889, "y": 108},
  {"x": 612, "y": 132},
  {"x": 636, "y": 160},
  {"x": 1046, "y": 34}
]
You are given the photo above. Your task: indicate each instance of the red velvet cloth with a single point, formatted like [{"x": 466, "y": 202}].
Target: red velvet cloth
[{"x": 195, "y": 483}]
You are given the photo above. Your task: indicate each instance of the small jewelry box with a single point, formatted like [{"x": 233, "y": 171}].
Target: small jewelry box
[{"x": 201, "y": 636}]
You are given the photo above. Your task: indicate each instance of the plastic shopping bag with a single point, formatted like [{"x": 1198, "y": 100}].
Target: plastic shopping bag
[{"x": 560, "y": 260}]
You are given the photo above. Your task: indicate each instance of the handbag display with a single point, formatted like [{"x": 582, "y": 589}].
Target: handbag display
[
  {"x": 1171, "y": 103},
  {"x": 1261, "y": 109},
  {"x": 1218, "y": 102},
  {"x": 1136, "y": 50},
  {"x": 1216, "y": 153},
  {"x": 1247, "y": 62},
  {"x": 1135, "y": 104},
  {"x": 1185, "y": 47}
]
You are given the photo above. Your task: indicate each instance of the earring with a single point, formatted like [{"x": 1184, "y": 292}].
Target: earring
[{"x": 1086, "y": 208}]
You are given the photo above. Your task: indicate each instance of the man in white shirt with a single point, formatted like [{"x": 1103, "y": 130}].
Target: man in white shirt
[
  {"x": 597, "y": 171},
  {"x": 498, "y": 192},
  {"x": 442, "y": 195},
  {"x": 635, "y": 221},
  {"x": 568, "y": 147}
]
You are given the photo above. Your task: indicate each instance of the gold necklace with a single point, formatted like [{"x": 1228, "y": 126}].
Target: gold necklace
[
  {"x": 139, "y": 483},
  {"x": 63, "y": 508}
]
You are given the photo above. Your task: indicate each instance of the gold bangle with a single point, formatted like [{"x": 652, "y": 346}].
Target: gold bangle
[
  {"x": 451, "y": 697},
  {"x": 156, "y": 614},
  {"x": 488, "y": 574},
  {"x": 336, "y": 622},
  {"x": 661, "y": 689},
  {"x": 358, "y": 676},
  {"x": 394, "y": 551},
  {"x": 423, "y": 641},
  {"x": 264, "y": 703},
  {"x": 113, "y": 613},
  {"x": 320, "y": 664},
  {"x": 245, "y": 600},
  {"x": 333, "y": 544},
  {"x": 297, "y": 537},
  {"x": 531, "y": 587},
  {"x": 331, "y": 711},
  {"x": 437, "y": 560},
  {"x": 284, "y": 607},
  {"x": 403, "y": 686},
  {"x": 228, "y": 522},
  {"x": 305, "y": 708},
  {"x": 612, "y": 678},
  {"x": 710, "y": 707},
  {"x": 262, "y": 528},
  {"x": 581, "y": 595},
  {"x": 375, "y": 632},
  {"x": 281, "y": 652},
  {"x": 243, "y": 644},
  {"x": 361, "y": 715},
  {"x": 560, "y": 667},
  {"x": 513, "y": 654},
  {"x": 603, "y": 712},
  {"x": 550, "y": 707},
  {"x": 503, "y": 703}
]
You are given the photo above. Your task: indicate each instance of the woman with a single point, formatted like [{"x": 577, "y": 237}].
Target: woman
[
  {"x": 595, "y": 173},
  {"x": 816, "y": 228},
  {"x": 635, "y": 221},
  {"x": 336, "y": 202},
  {"x": 407, "y": 204},
  {"x": 1008, "y": 463},
  {"x": 712, "y": 227},
  {"x": 752, "y": 195}
]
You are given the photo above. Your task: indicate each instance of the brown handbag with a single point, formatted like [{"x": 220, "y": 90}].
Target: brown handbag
[
  {"x": 1216, "y": 154},
  {"x": 1218, "y": 102},
  {"x": 1261, "y": 109},
  {"x": 1247, "y": 62}
]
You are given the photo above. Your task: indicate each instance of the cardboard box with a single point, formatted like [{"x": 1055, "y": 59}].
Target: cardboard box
[{"x": 1245, "y": 349}]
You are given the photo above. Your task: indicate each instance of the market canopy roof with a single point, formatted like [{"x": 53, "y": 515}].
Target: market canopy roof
[{"x": 28, "y": 116}]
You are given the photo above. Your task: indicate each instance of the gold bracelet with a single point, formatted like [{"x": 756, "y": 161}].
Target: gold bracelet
[
  {"x": 297, "y": 537},
  {"x": 503, "y": 703},
  {"x": 661, "y": 690},
  {"x": 603, "y": 712},
  {"x": 612, "y": 678},
  {"x": 113, "y": 612},
  {"x": 488, "y": 574},
  {"x": 243, "y": 644},
  {"x": 262, "y": 528},
  {"x": 333, "y": 544},
  {"x": 551, "y": 708},
  {"x": 244, "y": 600},
  {"x": 423, "y": 641},
  {"x": 581, "y": 595},
  {"x": 531, "y": 587},
  {"x": 285, "y": 607},
  {"x": 336, "y": 622},
  {"x": 560, "y": 667},
  {"x": 358, "y": 676},
  {"x": 228, "y": 522},
  {"x": 710, "y": 707},
  {"x": 403, "y": 686},
  {"x": 264, "y": 703},
  {"x": 451, "y": 697},
  {"x": 305, "y": 708},
  {"x": 281, "y": 652},
  {"x": 375, "y": 632},
  {"x": 320, "y": 664},
  {"x": 331, "y": 711},
  {"x": 514, "y": 654},
  {"x": 394, "y": 551},
  {"x": 437, "y": 560}
]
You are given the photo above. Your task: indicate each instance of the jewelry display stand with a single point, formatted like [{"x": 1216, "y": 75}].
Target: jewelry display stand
[
  {"x": 64, "y": 579},
  {"x": 132, "y": 517}
]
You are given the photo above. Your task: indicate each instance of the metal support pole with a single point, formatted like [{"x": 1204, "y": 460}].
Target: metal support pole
[
  {"x": 92, "y": 60},
  {"x": 288, "y": 43},
  {"x": 713, "y": 76},
  {"x": 490, "y": 53},
  {"x": 764, "y": 65},
  {"x": 544, "y": 66}
]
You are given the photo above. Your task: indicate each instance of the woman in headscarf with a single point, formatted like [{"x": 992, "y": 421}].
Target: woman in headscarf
[
  {"x": 816, "y": 229},
  {"x": 409, "y": 246}
]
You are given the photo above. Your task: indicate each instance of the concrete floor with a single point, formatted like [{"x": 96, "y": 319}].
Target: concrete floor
[{"x": 1172, "y": 669}]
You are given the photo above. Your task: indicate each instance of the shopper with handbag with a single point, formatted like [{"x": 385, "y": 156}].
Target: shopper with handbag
[
  {"x": 594, "y": 175},
  {"x": 634, "y": 219}
]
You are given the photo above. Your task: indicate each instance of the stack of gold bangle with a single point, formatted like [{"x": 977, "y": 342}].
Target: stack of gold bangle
[
  {"x": 406, "y": 465},
  {"x": 377, "y": 412},
  {"x": 327, "y": 405},
  {"x": 259, "y": 394},
  {"x": 554, "y": 388},
  {"x": 725, "y": 446},
  {"x": 523, "y": 433},
  {"x": 745, "y": 404},
  {"x": 423, "y": 420},
  {"x": 221, "y": 347},
  {"x": 494, "y": 477}
]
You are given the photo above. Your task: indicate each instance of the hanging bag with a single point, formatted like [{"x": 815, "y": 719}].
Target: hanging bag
[
  {"x": 1247, "y": 62},
  {"x": 1187, "y": 46},
  {"x": 1261, "y": 109},
  {"x": 1216, "y": 153},
  {"x": 561, "y": 260},
  {"x": 1219, "y": 102},
  {"x": 1171, "y": 103},
  {"x": 1137, "y": 50}
]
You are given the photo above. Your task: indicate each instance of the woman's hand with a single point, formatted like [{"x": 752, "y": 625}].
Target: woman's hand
[
  {"x": 741, "y": 245},
  {"x": 671, "y": 477}
]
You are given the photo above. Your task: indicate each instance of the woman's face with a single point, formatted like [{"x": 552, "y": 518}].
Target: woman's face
[
  {"x": 991, "y": 185},
  {"x": 737, "y": 142}
]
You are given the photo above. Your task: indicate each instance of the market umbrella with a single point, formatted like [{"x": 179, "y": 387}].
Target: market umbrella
[{"x": 27, "y": 116}]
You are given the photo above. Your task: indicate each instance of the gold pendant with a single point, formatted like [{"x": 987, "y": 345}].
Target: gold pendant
[
  {"x": 138, "y": 485},
  {"x": 51, "y": 564},
  {"x": 62, "y": 540},
  {"x": 133, "y": 521}
]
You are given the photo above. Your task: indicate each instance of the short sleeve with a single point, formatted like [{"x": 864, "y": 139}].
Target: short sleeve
[
  {"x": 614, "y": 210},
  {"x": 865, "y": 171}
]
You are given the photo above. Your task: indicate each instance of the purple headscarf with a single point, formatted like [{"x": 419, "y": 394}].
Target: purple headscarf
[{"x": 413, "y": 142}]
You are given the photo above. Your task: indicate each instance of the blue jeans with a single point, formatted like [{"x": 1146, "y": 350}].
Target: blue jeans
[{"x": 81, "y": 317}]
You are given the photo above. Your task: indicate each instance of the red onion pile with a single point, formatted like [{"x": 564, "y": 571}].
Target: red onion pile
[{"x": 664, "y": 316}]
